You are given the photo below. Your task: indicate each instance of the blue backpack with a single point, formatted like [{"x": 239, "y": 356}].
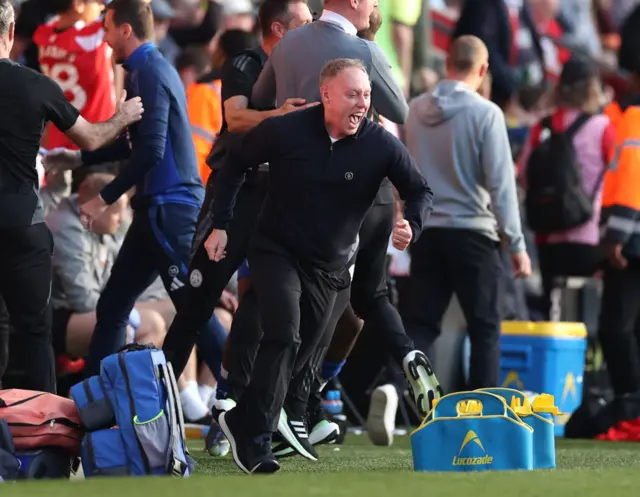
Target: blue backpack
[{"x": 133, "y": 417}]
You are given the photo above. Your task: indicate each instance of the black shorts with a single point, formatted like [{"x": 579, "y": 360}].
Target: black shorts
[{"x": 59, "y": 325}]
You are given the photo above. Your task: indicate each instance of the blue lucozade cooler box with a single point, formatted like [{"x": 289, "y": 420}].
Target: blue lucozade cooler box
[{"x": 545, "y": 357}]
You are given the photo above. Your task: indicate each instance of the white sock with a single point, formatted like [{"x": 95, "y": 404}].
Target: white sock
[
  {"x": 207, "y": 392},
  {"x": 192, "y": 406}
]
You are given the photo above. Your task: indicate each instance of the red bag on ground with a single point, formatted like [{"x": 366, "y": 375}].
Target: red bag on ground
[{"x": 38, "y": 419}]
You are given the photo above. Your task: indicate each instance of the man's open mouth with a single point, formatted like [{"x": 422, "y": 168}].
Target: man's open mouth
[{"x": 355, "y": 118}]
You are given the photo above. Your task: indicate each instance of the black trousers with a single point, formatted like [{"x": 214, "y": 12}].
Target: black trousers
[
  {"x": 369, "y": 289},
  {"x": 25, "y": 284},
  {"x": 201, "y": 300},
  {"x": 295, "y": 304},
  {"x": 467, "y": 263},
  {"x": 369, "y": 299},
  {"x": 619, "y": 313},
  {"x": 244, "y": 340},
  {"x": 242, "y": 344}
]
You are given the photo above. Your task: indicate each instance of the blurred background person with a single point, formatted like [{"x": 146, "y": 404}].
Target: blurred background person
[
  {"x": 204, "y": 96},
  {"x": 576, "y": 251}
]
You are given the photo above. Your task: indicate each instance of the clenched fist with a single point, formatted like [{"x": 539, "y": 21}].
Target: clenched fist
[{"x": 402, "y": 235}]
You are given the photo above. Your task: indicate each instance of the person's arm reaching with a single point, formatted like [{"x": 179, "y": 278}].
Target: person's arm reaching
[
  {"x": 258, "y": 147},
  {"x": 92, "y": 136},
  {"x": 500, "y": 178},
  {"x": 386, "y": 96},
  {"x": 413, "y": 188},
  {"x": 238, "y": 80},
  {"x": 151, "y": 138},
  {"x": 241, "y": 119}
]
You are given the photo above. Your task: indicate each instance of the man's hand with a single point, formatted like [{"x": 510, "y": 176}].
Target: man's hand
[
  {"x": 129, "y": 111},
  {"x": 59, "y": 160},
  {"x": 228, "y": 302},
  {"x": 521, "y": 264},
  {"x": 293, "y": 104},
  {"x": 216, "y": 244},
  {"x": 614, "y": 255},
  {"x": 402, "y": 235},
  {"x": 92, "y": 210}
]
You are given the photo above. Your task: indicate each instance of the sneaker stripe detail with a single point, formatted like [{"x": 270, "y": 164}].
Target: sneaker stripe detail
[{"x": 284, "y": 427}]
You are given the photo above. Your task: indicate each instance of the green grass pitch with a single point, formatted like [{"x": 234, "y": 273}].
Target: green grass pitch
[{"x": 358, "y": 469}]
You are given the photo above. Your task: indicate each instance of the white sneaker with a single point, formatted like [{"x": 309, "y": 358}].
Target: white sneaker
[
  {"x": 423, "y": 383},
  {"x": 220, "y": 406},
  {"x": 381, "y": 421}
]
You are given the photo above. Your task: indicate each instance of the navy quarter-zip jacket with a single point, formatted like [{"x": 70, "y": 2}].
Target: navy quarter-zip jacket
[
  {"x": 162, "y": 161},
  {"x": 319, "y": 192}
]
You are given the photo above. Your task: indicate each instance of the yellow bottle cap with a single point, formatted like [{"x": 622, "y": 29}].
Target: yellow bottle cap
[
  {"x": 521, "y": 409},
  {"x": 545, "y": 403}
]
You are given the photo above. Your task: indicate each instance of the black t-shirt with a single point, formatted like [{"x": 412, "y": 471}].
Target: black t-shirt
[
  {"x": 28, "y": 100},
  {"x": 238, "y": 75}
]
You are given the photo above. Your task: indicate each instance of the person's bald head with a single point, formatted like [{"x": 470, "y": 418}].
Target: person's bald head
[
  {"x": 355, "y": 11},
  {"x": 468, "y": 60}
]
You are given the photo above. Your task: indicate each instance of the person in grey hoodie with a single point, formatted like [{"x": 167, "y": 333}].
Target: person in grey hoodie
[{"x": 459, "y": 140}]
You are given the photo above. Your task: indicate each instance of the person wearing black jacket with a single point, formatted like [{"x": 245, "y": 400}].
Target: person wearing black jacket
[
  {"x": 511, "y": 38},
  {"x": 26, "y": 244},
  {"x": 326, "y": 165},
  {"x": 207, "y": 280}
]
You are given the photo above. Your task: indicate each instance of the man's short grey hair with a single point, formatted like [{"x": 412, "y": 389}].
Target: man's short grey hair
[
  {"x": 7, "y": 16},
  {"x": 336, "y": 66}
]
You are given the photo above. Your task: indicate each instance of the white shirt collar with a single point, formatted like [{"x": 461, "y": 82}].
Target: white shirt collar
[{"x": 339, "y": 20}]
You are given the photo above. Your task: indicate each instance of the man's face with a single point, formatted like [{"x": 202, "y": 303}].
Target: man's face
[
  {"x": 363, "y": 10},
  {"x": 115, "y": 36},
  {"x": 347, "y": 98},
  {"x": 110, "y": 221},
  {"x": 300, "y": 15}
]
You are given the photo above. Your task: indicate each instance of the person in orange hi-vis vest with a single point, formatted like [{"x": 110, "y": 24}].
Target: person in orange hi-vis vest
[
  {"x": 204, "y": 98},
  {"x": 204, "y": 107},
  {"x": 621, "y": 239}
]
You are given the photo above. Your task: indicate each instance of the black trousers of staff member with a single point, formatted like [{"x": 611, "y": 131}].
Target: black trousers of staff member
[
  {"x": 295, "y": 304},
  {"x": 619, "y": 326},
  {"x": 467, "y": 263},
  {"x": 369, "y": 298},
  {"x": 202, "y": 298},
  {"x": 25, "y": 284},
  {"x": 244, "y": 340}
]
